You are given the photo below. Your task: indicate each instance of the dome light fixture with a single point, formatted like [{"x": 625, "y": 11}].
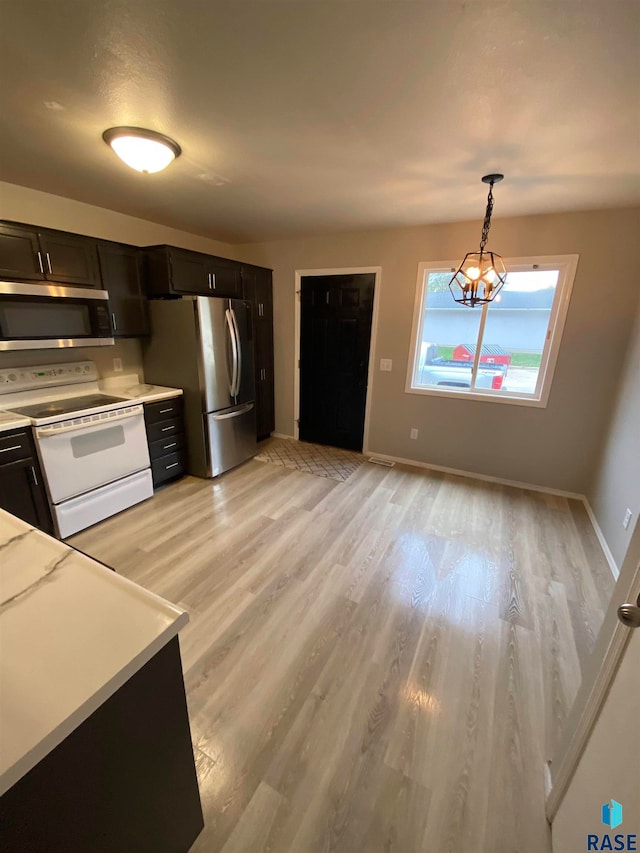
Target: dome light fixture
[
  {"x": 485, "y": 270},
  {"x": 144, "y": 150}
]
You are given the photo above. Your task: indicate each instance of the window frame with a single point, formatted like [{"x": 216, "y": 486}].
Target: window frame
[{"x": 566, "y": 265}]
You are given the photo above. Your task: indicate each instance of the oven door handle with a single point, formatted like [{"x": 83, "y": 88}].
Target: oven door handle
[{"x": 47, "y": 432}]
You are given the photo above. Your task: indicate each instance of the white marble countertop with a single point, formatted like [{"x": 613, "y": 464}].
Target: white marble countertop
[
  {"x": 130, "y": 387},
  {"x": 9, "y": 420},
  {"x": 71, "y": 633}
]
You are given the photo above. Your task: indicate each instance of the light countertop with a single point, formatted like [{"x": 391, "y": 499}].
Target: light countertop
[
  {"x": 71, "y": 632},
  {"x": 130, "y": 387},
  {"x": 9, "y": 420}
]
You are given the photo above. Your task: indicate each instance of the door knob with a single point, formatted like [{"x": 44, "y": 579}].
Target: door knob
[{"x": 629, "y": 614}]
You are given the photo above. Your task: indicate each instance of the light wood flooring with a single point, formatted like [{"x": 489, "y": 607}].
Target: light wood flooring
[{"x": 377, "y": 665}]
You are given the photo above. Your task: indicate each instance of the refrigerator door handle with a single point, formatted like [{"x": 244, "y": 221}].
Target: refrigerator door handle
[
  {"x": 234, "y": 351},
  {"x": 236, "y": 390},
  {"x": 235, "y": 414}
]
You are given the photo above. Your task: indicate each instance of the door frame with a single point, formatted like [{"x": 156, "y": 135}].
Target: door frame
[
  {"x": 299, "y": 275},
  {"x": 596, "y": 681}
]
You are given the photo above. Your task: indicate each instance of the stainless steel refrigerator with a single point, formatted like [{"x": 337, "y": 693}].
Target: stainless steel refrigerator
[{"x": 204, "y": 345}]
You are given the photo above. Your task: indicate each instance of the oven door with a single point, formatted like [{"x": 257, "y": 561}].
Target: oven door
[
  {"x": 84, "y": 453},
  {"x": 43, "y": 316}
]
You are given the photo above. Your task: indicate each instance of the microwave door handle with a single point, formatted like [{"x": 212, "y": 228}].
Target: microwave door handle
[
  {"x": 239, "y": 350},
  {"x": 234, "y": 352}
]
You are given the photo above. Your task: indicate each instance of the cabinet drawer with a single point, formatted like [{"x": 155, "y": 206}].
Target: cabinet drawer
[
  {"x": 14, "y": 445},
  {"x": 163, "y": 410},
  {"x": 164, "y": 429},
  {"x": 169, "y": 466},
  {"x": 172, "y": 444}
]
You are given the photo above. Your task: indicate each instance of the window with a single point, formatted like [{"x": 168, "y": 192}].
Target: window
[{"x": 504, "y": 351}]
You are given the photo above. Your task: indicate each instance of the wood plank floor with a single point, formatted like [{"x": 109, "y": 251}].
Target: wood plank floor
[{"x": 371, "y": 666}]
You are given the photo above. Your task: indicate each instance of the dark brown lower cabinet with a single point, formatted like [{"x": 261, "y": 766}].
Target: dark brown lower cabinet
[
  {"x": 165, "y": 436},
  {"x": 124, "y": 780},
  {"x": 22, "y": 490}
]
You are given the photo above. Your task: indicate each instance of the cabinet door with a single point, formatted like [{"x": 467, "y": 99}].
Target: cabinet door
[
  {"x": 22, "y": 493},
  {"x": 190, "y": 273},
  {"x": 70, "y": 259},
  {"x": 263, "y": 312},
  {"x": 120, "y": 268},
  {"x": 20, "y": 257},
  {"x": 225, "y": 278}
]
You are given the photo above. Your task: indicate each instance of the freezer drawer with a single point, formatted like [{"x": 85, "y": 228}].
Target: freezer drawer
[{"x": 231, "y": 437}]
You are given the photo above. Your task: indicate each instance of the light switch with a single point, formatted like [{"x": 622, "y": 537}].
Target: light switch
[{"x": 386, "y": 364}]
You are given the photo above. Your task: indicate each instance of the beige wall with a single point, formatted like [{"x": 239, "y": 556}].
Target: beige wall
[
  {"x": 52, "y": 211},
  {"x": 553, "y": 447},
  {"x": 616, "y": 482},
  {"x": 22, "y": 204}
]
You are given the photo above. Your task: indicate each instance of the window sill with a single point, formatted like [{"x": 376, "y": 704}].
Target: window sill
[{"x": 457, "y": 394}]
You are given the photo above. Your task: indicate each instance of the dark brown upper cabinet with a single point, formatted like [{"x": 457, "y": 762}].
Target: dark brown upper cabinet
[
  {"x": 171, "y": 272},
  {"x": 20, "y": 255},
  {"x": 120, "y": 266},
  {"x": 32, "y": 254}
]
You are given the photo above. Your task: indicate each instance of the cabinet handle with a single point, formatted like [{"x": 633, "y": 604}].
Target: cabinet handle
[
  {"x": 164, "y": 411},
  {"x": 13, "y": 447},
  {"x": 40, "y": 262},
  {"x": 213, "y": 280},
  {"x": 167, "y": 446},
  {"x": 173, "y": 465},
  {"x": 167, "y": 429},
  {"x": 260, "y": 309},
  {"x": 35, "y": 476},
  {"x": 47, "y": 256},
  {"x": 209, "y": 280},
  {"x": 115, "y": 322}
]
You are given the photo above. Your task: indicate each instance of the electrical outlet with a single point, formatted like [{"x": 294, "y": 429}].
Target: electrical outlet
[
  {"x": 627, "y": 519},
  {"x": 413, "y": 433},
  {"x": 117, "y": 365},
  {"x": 386, "y": 364}
]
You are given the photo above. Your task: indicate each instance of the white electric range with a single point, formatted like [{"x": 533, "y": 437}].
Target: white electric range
[{"x": 92, "y": 446}]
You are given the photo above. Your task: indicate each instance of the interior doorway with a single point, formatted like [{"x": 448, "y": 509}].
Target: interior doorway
[{"x": 335, "y": 330}]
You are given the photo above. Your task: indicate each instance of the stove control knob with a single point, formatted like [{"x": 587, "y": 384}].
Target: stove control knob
[{"x": 12, "y": 377}]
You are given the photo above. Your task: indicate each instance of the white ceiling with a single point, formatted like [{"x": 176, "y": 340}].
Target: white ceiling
[{"x": 307, "y": 116}]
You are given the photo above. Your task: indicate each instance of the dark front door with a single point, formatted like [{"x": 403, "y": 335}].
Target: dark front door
[{"x": 334, "y": 358}]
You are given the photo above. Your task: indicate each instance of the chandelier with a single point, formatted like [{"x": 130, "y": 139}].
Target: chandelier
[{"x": 481, "y": 275}]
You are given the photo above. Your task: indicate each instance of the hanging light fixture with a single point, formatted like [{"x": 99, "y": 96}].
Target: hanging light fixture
[
  {"x": 481, "y": 275},
  {"x": 144, "y": 150}
]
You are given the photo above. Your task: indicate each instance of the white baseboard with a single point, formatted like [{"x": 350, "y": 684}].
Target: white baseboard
[
  {"x": 282, "y": 435},
  {"x": 473, "y": 475},
  {"x": 615, "y": 571}
]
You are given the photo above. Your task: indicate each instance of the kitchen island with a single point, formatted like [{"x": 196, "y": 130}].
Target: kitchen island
[{"x": 95, "y": 749}]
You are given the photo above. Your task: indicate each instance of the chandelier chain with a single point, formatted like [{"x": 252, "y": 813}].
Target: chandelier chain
[{"x": 487, "y": 219}]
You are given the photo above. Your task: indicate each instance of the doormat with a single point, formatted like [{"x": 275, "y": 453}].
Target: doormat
[{"x": 318, "y": 459}]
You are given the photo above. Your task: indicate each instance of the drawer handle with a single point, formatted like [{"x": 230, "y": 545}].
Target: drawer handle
[
  {"x": 13, "y": 447},
  {"x": 166, "y": 429},
  {"x": 173, "y": 465},
  {"x": 167, "y": 446},
  {"x": 164, "y": 411}
]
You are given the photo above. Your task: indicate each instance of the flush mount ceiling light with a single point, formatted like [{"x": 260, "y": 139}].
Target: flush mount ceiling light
[
  {"x": 480, "y": 271},
  {"x": 144, "y": 150}
]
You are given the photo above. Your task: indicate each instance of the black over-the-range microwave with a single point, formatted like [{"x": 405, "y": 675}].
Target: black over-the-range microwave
[{"x": 44, "y": 316}]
